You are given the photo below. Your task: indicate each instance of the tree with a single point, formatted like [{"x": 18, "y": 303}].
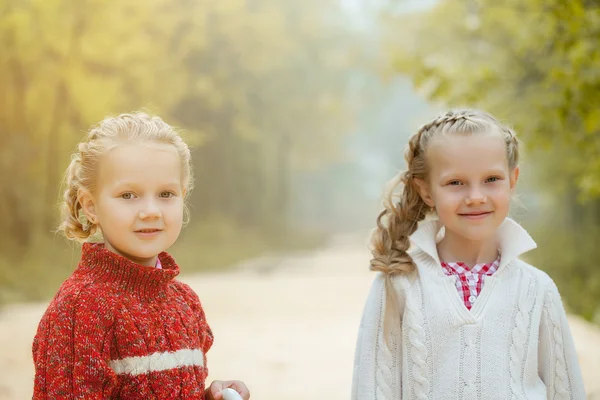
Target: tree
[
  {"x": 533, "y": 64},
  {"x": 257, "y": 86}
]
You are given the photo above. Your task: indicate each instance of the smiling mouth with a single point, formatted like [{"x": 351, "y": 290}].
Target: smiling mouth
[
  {"x": 148, "y": 230},
  {"x": 476, "y": 214}
]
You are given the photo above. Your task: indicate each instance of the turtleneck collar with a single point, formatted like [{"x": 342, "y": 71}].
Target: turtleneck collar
[{"x": 113, "y": 268}]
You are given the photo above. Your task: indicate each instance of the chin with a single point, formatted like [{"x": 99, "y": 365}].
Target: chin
[
  {"x": 149, "y": 253},
  {"x": 480, "y": 234},
  {"x": 474, "y": 233},
  {"x": 143, "y": 253}
]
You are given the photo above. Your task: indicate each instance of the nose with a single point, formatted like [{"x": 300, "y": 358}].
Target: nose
[
  {"x": 475, "y": 196},
  {"x": 150, "y": 210}
]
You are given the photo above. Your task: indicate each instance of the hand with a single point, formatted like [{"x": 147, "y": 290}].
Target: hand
[{"x": 214, "y": 390}]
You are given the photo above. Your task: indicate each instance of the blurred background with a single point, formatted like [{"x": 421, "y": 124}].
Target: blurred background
[
  {"x": 298, "y": 112},
  {"x": 294, "y": 124}
]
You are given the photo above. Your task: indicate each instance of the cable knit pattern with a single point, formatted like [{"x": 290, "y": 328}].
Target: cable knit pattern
[
  {"x": 418, "y": 350},
  {"x": 384, "y": 361},
  {"x": 520, "y": 331},
  {"x": 119, "y": 330},
  {"x": 561, "y": 384},
  {"x": 383, "y": 377},
  {"x": 513, "y": 344}
]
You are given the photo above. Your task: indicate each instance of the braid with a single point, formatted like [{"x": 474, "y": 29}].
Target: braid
[
  {"x": 397, "y": 222},
  {"x": 512, "y": 148}
]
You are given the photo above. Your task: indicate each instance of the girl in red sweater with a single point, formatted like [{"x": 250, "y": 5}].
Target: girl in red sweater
[{"x": 121, "y": 326}]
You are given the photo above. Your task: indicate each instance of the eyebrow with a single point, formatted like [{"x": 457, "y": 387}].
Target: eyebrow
[
  {"x": 135, "y": 185},
  {"x": 455, "y": 175}
]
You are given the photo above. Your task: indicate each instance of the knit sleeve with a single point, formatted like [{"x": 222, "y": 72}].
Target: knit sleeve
[
  {"x": 376, "y": 366},
  {"x": 558, "y": 364},
  {"x": 194, "y": 302},
  {"x": 71, "y": 350}
]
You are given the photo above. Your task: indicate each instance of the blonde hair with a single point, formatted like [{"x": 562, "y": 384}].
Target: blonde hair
[
  {"x": 109, "y": 133},
  {"x": 390, "y": 240}
]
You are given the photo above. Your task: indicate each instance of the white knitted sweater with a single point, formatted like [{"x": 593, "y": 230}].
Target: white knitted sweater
[{"x": 514, "y": 343}]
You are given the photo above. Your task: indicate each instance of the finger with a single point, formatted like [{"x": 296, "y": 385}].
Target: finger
[
  {"x": 241, "y": 388},
  {"x": 215, "y": 390},
  {"x": 244, "y": 393}
]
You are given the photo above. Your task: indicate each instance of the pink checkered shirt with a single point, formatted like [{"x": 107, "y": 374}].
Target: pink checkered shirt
[{"x": 470, "y": 281}]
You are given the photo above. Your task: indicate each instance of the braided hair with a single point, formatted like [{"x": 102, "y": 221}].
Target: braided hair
[{"x": 399, "y": 219}]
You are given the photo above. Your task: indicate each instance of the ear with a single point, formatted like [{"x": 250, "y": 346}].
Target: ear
[
  {"x": 88, "y": 205},
  {"x": 514, "y": 177},
  {"x": 424, "y": 191}
]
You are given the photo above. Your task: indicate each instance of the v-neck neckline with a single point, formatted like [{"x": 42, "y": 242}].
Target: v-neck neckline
[
  {"x": 463, "y": 314},
  {"x": 479, "y": 308},
  {"x": 511, "y": 238}
]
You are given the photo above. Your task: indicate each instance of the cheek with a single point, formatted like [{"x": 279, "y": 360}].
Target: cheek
[
  {"x": 117, "y": 215},
  {"x": 174, "y": 212},
  {"x": 501, "y": 194},
  {"x": 447, "y": 198},
  {"x": 105, "y": 207},
  {"x": 117, "y": 209}
]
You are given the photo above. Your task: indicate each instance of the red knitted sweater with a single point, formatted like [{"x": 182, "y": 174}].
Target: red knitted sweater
[{"x": 119, "y": 330}]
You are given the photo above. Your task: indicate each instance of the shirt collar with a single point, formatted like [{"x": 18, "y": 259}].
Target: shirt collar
[
  {"x": 478, "y": 269},
  {"x": 512, "y": 239}
]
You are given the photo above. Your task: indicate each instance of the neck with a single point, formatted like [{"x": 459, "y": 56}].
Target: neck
[
  {"x": 105, "y": 266},
  {"x": 454, "y": 248},
  {"x": 148, "y": 262}
]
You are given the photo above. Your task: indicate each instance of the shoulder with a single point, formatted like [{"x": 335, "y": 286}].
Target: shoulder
[
  {"x": 378, "y": 288},
  {"x": 402, "y": 284},
  {"x": 191, "y": 300},
  {"x": 81, "y": 300},
  {"x": 402, "y": 281},
  {"x": 545, "y": 282},
  {"x": 186, "y": 292},
  {"x": 375, "y": 293},
  {"x": 184, "y": 289}
]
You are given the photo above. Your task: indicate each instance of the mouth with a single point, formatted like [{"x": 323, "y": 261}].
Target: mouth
[
  {"x": 476, "y": 214},
  {"x": 148, "y": 230}
]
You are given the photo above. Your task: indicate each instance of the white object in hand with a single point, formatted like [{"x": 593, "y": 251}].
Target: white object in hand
[{"x": 230, "y": 394}]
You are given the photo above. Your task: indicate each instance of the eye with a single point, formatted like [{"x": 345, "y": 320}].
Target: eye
[
  {"x": 127, "y": 196},
  {"x": 167, "y": 195},
  {"x": 454, "y": 183},
  {"x": 493, "y": 179}
]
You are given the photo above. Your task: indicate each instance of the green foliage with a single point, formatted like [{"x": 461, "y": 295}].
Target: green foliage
[
  {"x": 569, "y": 253},
  {"x": 534, "y": 64},
  {"x": 258, "y": 86}
]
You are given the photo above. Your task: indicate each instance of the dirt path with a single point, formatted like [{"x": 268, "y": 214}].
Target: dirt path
[{"x": 286, "y": 327}]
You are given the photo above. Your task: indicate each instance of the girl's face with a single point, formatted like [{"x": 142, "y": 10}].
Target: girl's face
[
  {"x": 470, "y": 184},
  {"x": 138, "y": 201}
]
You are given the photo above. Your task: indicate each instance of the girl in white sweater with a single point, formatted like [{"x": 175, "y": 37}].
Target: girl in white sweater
[{"x": 453, "y": 312}]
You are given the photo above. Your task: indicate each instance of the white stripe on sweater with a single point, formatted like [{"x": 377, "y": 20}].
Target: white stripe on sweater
[{"x": 158, "y": 362}]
